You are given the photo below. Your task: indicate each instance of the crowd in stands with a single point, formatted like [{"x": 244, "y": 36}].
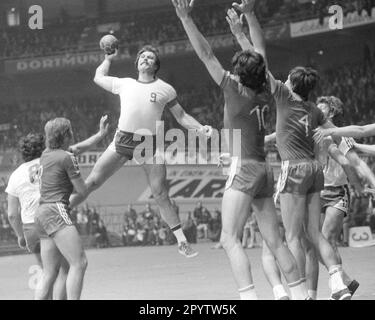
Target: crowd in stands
[
  {"x": 147, "y": 228},
  {"x": 156, "y": 26}
]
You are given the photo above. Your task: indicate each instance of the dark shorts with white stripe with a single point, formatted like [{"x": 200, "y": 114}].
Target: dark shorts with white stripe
[{"x": 52, "y": 217}]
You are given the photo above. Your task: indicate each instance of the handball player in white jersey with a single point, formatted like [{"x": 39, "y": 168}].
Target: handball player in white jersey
[
  {"x": 23, "y": 191},
  {"x": 143, "y": 101}
]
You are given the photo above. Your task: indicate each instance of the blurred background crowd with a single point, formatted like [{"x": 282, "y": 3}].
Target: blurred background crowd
[{"x": 67, "y": 35}]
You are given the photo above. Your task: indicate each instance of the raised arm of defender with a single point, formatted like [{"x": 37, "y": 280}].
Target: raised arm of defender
[
  {"x": 90, "y": 142},
  {"x": 236, "y": 27},
  {"x": 199, "y": 43}
]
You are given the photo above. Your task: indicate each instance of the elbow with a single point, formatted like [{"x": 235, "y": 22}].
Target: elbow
[{"x": 207, "y": 54}]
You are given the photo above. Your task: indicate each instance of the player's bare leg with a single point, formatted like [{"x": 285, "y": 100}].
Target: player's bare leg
[
  {"x": 70, "y": 245},
  {"x": 272, "y": 273},
  {"x": 268, "y": 223},
  {"x": 109, "y": 162},
  {"x": 331, "y": 230},
  {"x": 51, "y": 260},
  {"x": 59, "y": 288},
  {"x": 293, "y": 210},
  {"x": 326, "y": 252},
  {"x": 235, "y": 209},
  {"x": 312, "y": 267},
  {"x": 156, "y": 176}
]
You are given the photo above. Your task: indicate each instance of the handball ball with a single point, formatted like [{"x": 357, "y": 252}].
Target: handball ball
[{"x": 109, "y": 44}]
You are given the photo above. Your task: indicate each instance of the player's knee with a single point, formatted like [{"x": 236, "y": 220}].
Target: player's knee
[
  {"x": 273, "y": 243},
  {"x": 50, "y": 274},
  {"x": 228, "y": 240},
  {"x": 80, "y": 264},
  {"x": 292, "y": 237},
  {"x": 159, "y": 192}
]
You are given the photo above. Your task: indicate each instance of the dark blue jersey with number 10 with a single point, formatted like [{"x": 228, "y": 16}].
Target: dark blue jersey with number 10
[{"x": 246, "y": 110}]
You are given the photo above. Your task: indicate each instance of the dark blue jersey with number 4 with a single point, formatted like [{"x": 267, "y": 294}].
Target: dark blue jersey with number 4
[{"x": 295, "y": 122}]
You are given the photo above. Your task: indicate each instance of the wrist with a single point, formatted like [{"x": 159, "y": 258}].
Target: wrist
[
  {"x": 240, "y": 35},
  {"x": 185, "y": 18}
]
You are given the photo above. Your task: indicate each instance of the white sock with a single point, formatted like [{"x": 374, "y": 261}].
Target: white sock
[
  {"x": 179, "y": 235},
  {"x": 345, "y": 278},
  {"x": 248, "y": 293},
  {"x": 313, "y": 294},
  {"x": 337, "y": 283},
  {"x": 279, "y": 291},
  {"x": 298, "y": 290}
]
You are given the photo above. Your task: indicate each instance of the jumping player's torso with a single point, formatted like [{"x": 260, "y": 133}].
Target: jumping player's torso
[
  {"x": 295, "y": 123},
  {"x": 142, "y": 104},
  {"x": 24, "y": 184},
  {"x": 58, "y": 168},
  {"x": 246, "y": 111}
]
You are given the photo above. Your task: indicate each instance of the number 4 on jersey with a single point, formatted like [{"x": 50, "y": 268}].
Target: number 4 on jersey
[{"x": 305, "y": 121}]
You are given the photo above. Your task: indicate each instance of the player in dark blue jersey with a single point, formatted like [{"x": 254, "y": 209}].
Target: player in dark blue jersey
[
  {"x": 250, "y": 182},
  {"x": 59, "y": 176}
]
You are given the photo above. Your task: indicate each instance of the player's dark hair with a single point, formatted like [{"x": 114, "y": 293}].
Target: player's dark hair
[
  {"x": 303, "y": 81},
  {"x": 336, "y": 109},
  {"x": 251, "y": 69},
  {"x": 31, "y": 146},
  {"x": 56, "y": 131},
  {"x": 154, "y": 51}
]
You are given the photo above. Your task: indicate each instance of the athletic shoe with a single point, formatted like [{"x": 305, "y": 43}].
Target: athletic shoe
[
  {"x": 284, "y": 298},
  {"x": 309, "y": 298},
  {"x": 343, "y": 294},
  {"x": 186, "y": 250},
  {"x": 353, "y": 286}
]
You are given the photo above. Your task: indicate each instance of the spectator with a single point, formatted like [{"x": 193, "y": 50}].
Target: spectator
[
  {"x": 130, "y": 213},
  {"x": 214, "y": 226},
  {"x": 202, "y": 217},
  {"x": 149, "y": 213},
  {"x": 82, "y": 221},
  {"x": 101, "y": 235}
]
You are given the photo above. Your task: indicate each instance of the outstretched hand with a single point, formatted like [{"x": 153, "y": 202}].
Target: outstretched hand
[
  {"x": 246, "y": 6},
  {"x": 235, "y": 22},
  {"x": 104, "y": 125},
  {"x": 206, "y": 131},
  {"x": 320, "y": 134},
  {"x": 183, "y": 7}
]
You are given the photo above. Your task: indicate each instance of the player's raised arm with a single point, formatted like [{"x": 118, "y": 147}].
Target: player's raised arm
[
  {"x": 236, "y": 27},
  {"x": 188, "y": 122},
  {"x": 246, "y": 7},
  {"x": 349, "y": 131},
  {"x": 89, "y": 143},
  {"x": 199, "y": 43},
  {"x": 101, "y": 75}
]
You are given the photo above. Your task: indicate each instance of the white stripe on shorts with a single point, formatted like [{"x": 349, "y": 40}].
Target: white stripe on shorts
[
  {"x": 232, "y": 172},
  {"x": 282, "y": 180},
  {"x": 63, "y": 213}
]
